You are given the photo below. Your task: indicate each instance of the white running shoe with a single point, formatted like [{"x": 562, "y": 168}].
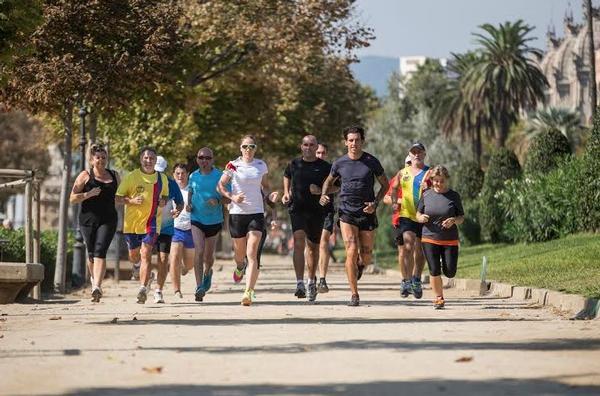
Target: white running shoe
[
  {"x": 142, "y": 295},
  {"x": 158, "y": 297}
]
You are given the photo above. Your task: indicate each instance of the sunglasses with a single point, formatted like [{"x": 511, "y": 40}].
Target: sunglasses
[
  {"x": 248, "y": 146},
  {"x": 204, "y": 157}
]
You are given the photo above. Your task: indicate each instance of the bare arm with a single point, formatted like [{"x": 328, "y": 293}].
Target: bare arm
[
  {"x": 384, "y": 186},
  {"x": 327, "y": 185},
  {"x": 77, "y": 194},
  {"x": 287, "y": 194}
]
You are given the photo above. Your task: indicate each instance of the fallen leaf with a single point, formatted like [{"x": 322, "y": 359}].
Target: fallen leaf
[
  {"x": 114, "y": 320},
  {"x": 464, "y": 359},
  {"x": 3, "y": 314},
  {"x": 153, "y": 370},
  {"x": 134, "y": 318},
  {"x": 55, "y": 317},
  {"x": 2, "y": 319},
  {"x": 1, "y": 335}
]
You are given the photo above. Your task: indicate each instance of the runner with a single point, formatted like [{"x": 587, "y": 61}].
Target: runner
[
  {"x": 182, "y": 243},
  {"x": 440, "y": 211},
  {"x": 306, "y": 214},
  {"x": 206, "y": 218},
  {"x": 95, "y": 189},
  {"x": 398, "y": 240},
  {"x": 143, "y": 191},
  {"x": 412, "y": 181},
  {"x": 248, "y": 178},
  {"x": 167, "y": 229},
  {"x": 357, "y": 171}
]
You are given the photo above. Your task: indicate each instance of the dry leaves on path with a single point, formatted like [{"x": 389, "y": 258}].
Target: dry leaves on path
[
  {"x": 56, "y": 318},
  {"x": 153, "y": 370},
  {"x": 464, "y": 359}
]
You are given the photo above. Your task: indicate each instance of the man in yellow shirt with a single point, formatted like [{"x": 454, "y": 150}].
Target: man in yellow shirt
[{"x": 143, "y": 191}]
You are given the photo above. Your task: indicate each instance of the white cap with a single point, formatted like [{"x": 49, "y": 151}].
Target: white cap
[
  {"x": 408, "y": 159},
  {"x": 161, "y": 164}
]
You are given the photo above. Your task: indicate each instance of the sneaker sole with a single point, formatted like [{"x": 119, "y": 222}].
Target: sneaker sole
[
  {"x": 141, "y": 298},
  {"x": 246, "y": 301},
  {"x": 300, "y": 294},
  {"x": 96, "y": 296},
  {"x": 438, "y": 307},
  {"x": 418, "y": 296}
]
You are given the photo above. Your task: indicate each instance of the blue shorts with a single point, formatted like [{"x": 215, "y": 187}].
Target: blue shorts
[
  {"x": 183, "y": 236},
  {"x": 134, "y": 241}
]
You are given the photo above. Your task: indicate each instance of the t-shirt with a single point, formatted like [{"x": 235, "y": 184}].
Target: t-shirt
[
  {"x": 246, "y": 177},
  {"x": 357, "y": 181},
  {"x": 395, "y": 214},
  {"x": 167, "y": 224},
  {"x": 144, "y": 218},
  {"x": 439, "y": 207},
  {"x": 412, "y": 187},
  {"x": 182, "y": 222},
  {"x": 302, "y": 174},
  {"x": 203, "y": 188}
]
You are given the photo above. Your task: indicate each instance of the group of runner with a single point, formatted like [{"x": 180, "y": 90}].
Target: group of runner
[{"x": 183, "y": 215}]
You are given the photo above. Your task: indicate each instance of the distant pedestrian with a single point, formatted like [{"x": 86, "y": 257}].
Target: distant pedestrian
[{"x": 440, "y": 210}]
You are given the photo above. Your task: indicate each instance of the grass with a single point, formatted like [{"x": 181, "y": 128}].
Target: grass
[{"x": 570, "y": 264}]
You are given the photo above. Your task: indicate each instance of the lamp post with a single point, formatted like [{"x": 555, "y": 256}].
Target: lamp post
[{"x": 79, "y": 260}]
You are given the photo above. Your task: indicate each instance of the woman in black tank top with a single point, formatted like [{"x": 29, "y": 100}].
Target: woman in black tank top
[{"x": 95, "y": 189}]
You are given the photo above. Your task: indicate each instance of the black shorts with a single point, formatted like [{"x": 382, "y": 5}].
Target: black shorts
[
  {"x": 241, "y": 224},
  {"x": 364, "y": 222},
  {"x": 209, "y": 230},
  {"x": 409, "y": 225},
  {"x": 97, "y": 238},
  {"x": 310, "y": 223},
  {"x": 398, "y": 238},
  {"x": 328, "y": 222},
  {"x": 163, "y": 244}
]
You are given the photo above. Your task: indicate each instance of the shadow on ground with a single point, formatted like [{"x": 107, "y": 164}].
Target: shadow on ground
[{"x": 545, "y": 386}]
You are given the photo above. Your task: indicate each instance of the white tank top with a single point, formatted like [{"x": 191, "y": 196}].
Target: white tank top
[
  {"x": 247, "y": 178},
  {"x": 183, "y": 221}
]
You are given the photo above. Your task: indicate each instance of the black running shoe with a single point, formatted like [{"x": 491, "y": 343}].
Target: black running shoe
[
  {"x": 300, "y": 291},
  {"x": 312, "y": 292},
  {"x": 361, "y": 268},
  {"x": 322, "y": 288},
  {"x": 354, "y": 301}
]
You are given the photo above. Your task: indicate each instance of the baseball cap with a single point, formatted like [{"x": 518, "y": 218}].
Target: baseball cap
[
  {"x": 161, "y": 164},
  {"x": 417, "y": 145}
]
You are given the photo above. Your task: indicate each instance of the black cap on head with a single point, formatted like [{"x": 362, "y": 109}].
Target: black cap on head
[{"x": 417, "y": 145}]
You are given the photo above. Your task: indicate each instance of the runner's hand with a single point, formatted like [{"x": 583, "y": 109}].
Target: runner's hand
[
  {"x": 285, "y": 199},
  {"x": 274, "y": 225},
  {"x": 324, "y": 200},
  {"x": 314, "y": 189},
  {"x": 395, "y": 207},
  {"x": 449, "y": 222},
  {"x": 137, "y": 200},
  {"x": 423, "y": 218},
  {"x": 188, "y": 207},
  {"x": 94, "y": 192},
  {"x": 274, "y": 196},
  {"x": 238, "y": 198},
  {"x": 212, "y": 202},
  {"x": 162, "y": 202},
  {"x": 370, "y": 207},
  {"x": 175, "y": 213}
]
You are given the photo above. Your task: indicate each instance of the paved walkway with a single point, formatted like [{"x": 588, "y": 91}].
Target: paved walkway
[{"x": 282, "y": 345}]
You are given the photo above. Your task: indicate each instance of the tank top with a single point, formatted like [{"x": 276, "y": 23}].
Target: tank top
[{"x": 101, "y": 208}]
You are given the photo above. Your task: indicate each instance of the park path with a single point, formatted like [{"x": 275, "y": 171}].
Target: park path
[{"x": 282, "y": 345}]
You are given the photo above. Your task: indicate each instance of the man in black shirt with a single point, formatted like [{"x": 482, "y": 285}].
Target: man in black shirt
[
  {"x": 357, "y": 171},
  {"x": 306, "y": 214}
]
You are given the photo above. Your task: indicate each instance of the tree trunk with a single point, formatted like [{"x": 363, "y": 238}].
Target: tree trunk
[
  {"x": 592, "y": 85},
  {"x": 477, "y": 143},
  {"x": 60, "y": 269},
  {"x": 502, "y": 132}
]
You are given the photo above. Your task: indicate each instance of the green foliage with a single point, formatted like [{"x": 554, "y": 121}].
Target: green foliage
[
  {"x": 542, "y": 206},
  {"x": 470, "y": 230},
  {"x": 547, "y": 150},
  {"x": 384, "y": 237},
  {"x": 588, "y": 187},
  {"x": 468, "y": 180},
  {"x": 503, "y": 166},
  {"x": 566, "y": 121},
  {"x": 14, "y": 251}
]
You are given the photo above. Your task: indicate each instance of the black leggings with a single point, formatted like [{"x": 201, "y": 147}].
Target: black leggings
[
  {"x": 441, "y": 258},
  {"x": 98, "y": 238}
]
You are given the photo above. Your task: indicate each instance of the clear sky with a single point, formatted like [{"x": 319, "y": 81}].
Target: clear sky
[{"x": 435, "y": 28}]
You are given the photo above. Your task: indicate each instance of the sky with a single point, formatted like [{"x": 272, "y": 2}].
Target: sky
[{"x": 435, "y": 28}]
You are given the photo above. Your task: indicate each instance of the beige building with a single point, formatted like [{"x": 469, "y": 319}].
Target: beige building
[{"x": 566, "y": 65}]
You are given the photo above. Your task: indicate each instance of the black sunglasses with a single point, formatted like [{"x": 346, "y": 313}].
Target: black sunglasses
[
  {"x": 249, "y": 146},
  {"x": 204, "y": 157}
]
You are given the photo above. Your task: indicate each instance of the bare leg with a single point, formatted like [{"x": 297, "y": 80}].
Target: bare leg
[
  {"x": 146, "y": 256},
  {"x": 419, "y": 259},
  {"x": 401, "y": 264},
  {"x": 90, "y": 266},
  {"x": 252, "y": 254},
  {"x": 436, "y": 285},
  {"x": 199, "y": 246},
  {"x": 99, "y": 269},
  {"x": 239, "y": 251},
  {"x": 324, "y": 253},
  {"x": 408, "y": 252},
  {"x": 350, "y": 236},
  {"x": 209, "y": 252},
  {"x": 298, "y": 257},
  {"x": 175, "y": 267},
  {"x": 163, "y": 269}
]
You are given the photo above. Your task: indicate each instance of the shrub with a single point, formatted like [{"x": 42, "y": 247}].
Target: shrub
[
  {"x": 541, "y": 207},
  {"x": 547, "y": 150},
  {"x": 468, "y": 180},
  {"x": 588, "y": 187},
  {"x": 384, "y": 238},
  {"x": 503, "y": 166},
  {"x": 470, "y": 230}
]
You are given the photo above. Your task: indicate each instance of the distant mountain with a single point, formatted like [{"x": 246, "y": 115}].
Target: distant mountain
[{"x": 375, "y": 72}]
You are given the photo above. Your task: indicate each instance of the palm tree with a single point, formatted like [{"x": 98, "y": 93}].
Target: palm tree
[
  {"x": 565, "y": 121},
  {"x": 454, "y": 112},
  {"x": 505, "y": 79}
]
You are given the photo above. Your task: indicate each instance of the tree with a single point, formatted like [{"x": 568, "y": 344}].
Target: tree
[
  {"x": 97, "y": 52},
  {"x": 565, "y": 121},
  {"x": 505, "y": 79},
  {"x": 548, "y": 150}
]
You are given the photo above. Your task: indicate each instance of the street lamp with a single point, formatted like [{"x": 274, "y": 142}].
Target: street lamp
[{"x": 79, "y": 260}]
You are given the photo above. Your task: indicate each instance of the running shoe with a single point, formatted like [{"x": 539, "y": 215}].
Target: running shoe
[
  {"x": 238, "y": 273},
  {"x": 247, "y": 298},
  {"x": 207, "y": 280},
  {"x": 142, "y": 295},
  {"x": 178, "y": 294},
  {"x": 405, "y": 288},
  {"x": 439, "y": 302},
  {"x": 354, "y": 301},
  {"x": 158, "y": 297},
  {"x": 322, "y": 288},
  {"x": 96, "y": 294},
  {"x": 300, "y": 291},
  {"x": 359, "y": 273},
  {"x": 135, "y": 272},
  {"x": 200, "y": 293},
  {"x": 417, "y": 288},
  {"x": 312, "y": 292}
]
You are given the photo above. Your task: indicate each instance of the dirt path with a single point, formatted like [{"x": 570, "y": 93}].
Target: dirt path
[{"x": 282, "y": 345}]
